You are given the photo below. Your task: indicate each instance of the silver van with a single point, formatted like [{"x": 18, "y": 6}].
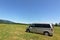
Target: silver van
[{"x": 46, "y": 29}]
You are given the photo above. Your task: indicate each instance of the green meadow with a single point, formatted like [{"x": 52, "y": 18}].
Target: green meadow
[{"x": 17, "y": 32}]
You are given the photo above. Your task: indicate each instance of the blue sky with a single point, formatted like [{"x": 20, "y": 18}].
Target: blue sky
[{"x": 28, "y": 11}]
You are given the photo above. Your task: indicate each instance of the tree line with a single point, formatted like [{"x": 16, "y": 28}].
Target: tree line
[{"x": 56, "y": 24}]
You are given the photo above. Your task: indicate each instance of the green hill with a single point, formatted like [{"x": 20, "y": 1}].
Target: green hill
[
  {"x": 10, "y": 22},
  {"x": 6, "y": 22}
]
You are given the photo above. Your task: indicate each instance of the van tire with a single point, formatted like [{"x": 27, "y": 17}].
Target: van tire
[
  {"x": 46, "y": 33},
  {"x": 27, "y": 30}
]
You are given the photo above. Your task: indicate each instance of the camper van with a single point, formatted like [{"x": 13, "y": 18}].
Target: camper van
[{"x": 46, "y": 29}]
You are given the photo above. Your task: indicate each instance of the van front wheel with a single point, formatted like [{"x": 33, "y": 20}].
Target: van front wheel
[
  {"x": 27, "y": 30},
  {"x": 46, "y": 33}
]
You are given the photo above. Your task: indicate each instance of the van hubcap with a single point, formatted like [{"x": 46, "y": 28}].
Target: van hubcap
[{"x": 46, "y": 34}]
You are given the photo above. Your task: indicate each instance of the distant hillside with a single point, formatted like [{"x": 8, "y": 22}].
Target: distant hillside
[
  {"x": 10, "y": 22},
  {"x": 6, "y": 22}
]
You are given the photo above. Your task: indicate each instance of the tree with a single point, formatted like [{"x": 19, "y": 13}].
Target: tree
[{"x": 56, "y": 24}]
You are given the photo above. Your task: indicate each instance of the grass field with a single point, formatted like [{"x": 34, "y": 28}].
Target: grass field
[{"x": 17, "y": 32}]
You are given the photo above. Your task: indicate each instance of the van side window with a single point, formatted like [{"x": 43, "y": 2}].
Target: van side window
[
  {"x": 46, "y": 26},
  {"x": 38, "y": 25},
  {"x": 32, "y": 25},
  {"x": 42, "y": 25}
]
